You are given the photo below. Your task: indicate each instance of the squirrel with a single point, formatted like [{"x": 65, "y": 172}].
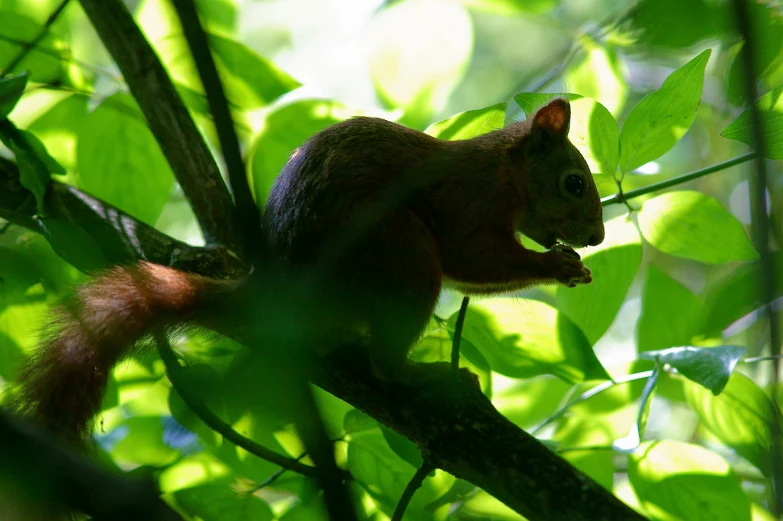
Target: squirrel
[{"x": 453, "y": 223}]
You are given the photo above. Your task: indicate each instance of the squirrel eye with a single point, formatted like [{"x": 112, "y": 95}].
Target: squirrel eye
[{"x": 574, "y": 184}]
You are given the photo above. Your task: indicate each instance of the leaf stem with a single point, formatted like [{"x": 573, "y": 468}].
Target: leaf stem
[{"x": 622, "y": 197}]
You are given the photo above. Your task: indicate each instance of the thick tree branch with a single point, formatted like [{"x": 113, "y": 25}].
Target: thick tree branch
[
  {"x": 454, "y": 424},
  {"x": 168, "y": 119}
]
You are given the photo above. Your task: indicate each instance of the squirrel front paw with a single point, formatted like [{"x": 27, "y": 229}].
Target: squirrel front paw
[{"x": 567, "y": 267}]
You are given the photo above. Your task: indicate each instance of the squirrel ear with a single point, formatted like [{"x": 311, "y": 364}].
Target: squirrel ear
[{"x": 554, "y": 118}]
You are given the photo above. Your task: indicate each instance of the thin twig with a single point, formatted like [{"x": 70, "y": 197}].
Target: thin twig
[
  {"x": 29, "y": 46},
  {"x": 760, "y": 227},
  {"x": 410, "y": 489},
  {"x": 174, "y": 371},
  {"x": 247, "y": 210},
  {"x": 463, "y": 309},
  {"x": 621, "y": 198}
]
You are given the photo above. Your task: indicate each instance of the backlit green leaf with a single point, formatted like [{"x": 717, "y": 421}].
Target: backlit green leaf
[
  {"x": 614, "y": 263},
  {"x": 662, "y": 117},
  {"x": 251, "y": 80},
  {"x": 741, "y": 416},
  {"x": 770, "y": 108},
  {"x": 528, "y": 338},
  {"x": 120, "y": 161},
  {"x": 694, "y": 226},
  {"x": 472, "y": 123},
  {"x": 680, "y": 481}
]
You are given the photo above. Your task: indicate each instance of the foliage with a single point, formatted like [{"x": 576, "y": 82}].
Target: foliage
[{"x": 675, "y": 280}]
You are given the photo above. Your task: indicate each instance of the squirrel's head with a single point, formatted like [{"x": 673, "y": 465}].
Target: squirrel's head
[{"x": 560, "y": 199}]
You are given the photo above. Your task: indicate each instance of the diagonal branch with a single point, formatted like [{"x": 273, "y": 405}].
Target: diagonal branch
[{"x": 168, "y": 119}]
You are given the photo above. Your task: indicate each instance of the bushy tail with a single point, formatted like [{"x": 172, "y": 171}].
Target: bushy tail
[{"x": 62, "y": 384}]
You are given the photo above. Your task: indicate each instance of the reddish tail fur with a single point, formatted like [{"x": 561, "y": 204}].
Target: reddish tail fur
[{"x": 62, "y": 384}]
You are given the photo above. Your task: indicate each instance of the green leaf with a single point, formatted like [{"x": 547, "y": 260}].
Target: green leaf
[
  {"x": 417, "y": 68},
  {"x": 58, "y": 128},
  {"x": 44, "y": 61},
  {"x": 671, "y": 314},
  {"x": 221, "y": 503},
  {"x": 709, "y": 367},
  {"x": 593, "y": 129},
  {"x": 251, "y": 81},
  {"x": 120, "y": 161},
  {"x": 528, "y": 402},
  {"x": 11, "y": 90},
  {"x": 284, "y": 130},
  {"x": 524, "y": 339},
  {"x": 741, "y": 416},
  {"x": 770, "y": 108},
  {"x": 662, "y": 117},
  {"x": 74, "y": 245},
  {"x": 614, "y": 263},
  {"x": 677, "y": 481},
  {"x": 694, "y": 226},
  {"x": 402, "y": 447},
  {"x": 472, "y": 123}
]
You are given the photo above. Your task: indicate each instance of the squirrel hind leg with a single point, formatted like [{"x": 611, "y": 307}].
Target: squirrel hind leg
[{"x": 399, "y": 285}]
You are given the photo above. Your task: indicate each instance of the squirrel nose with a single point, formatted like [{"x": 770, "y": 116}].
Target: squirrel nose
[{"x": 597, "y": 238}]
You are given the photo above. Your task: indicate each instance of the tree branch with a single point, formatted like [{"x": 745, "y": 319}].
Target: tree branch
[{"x": 168, "y": 119}]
